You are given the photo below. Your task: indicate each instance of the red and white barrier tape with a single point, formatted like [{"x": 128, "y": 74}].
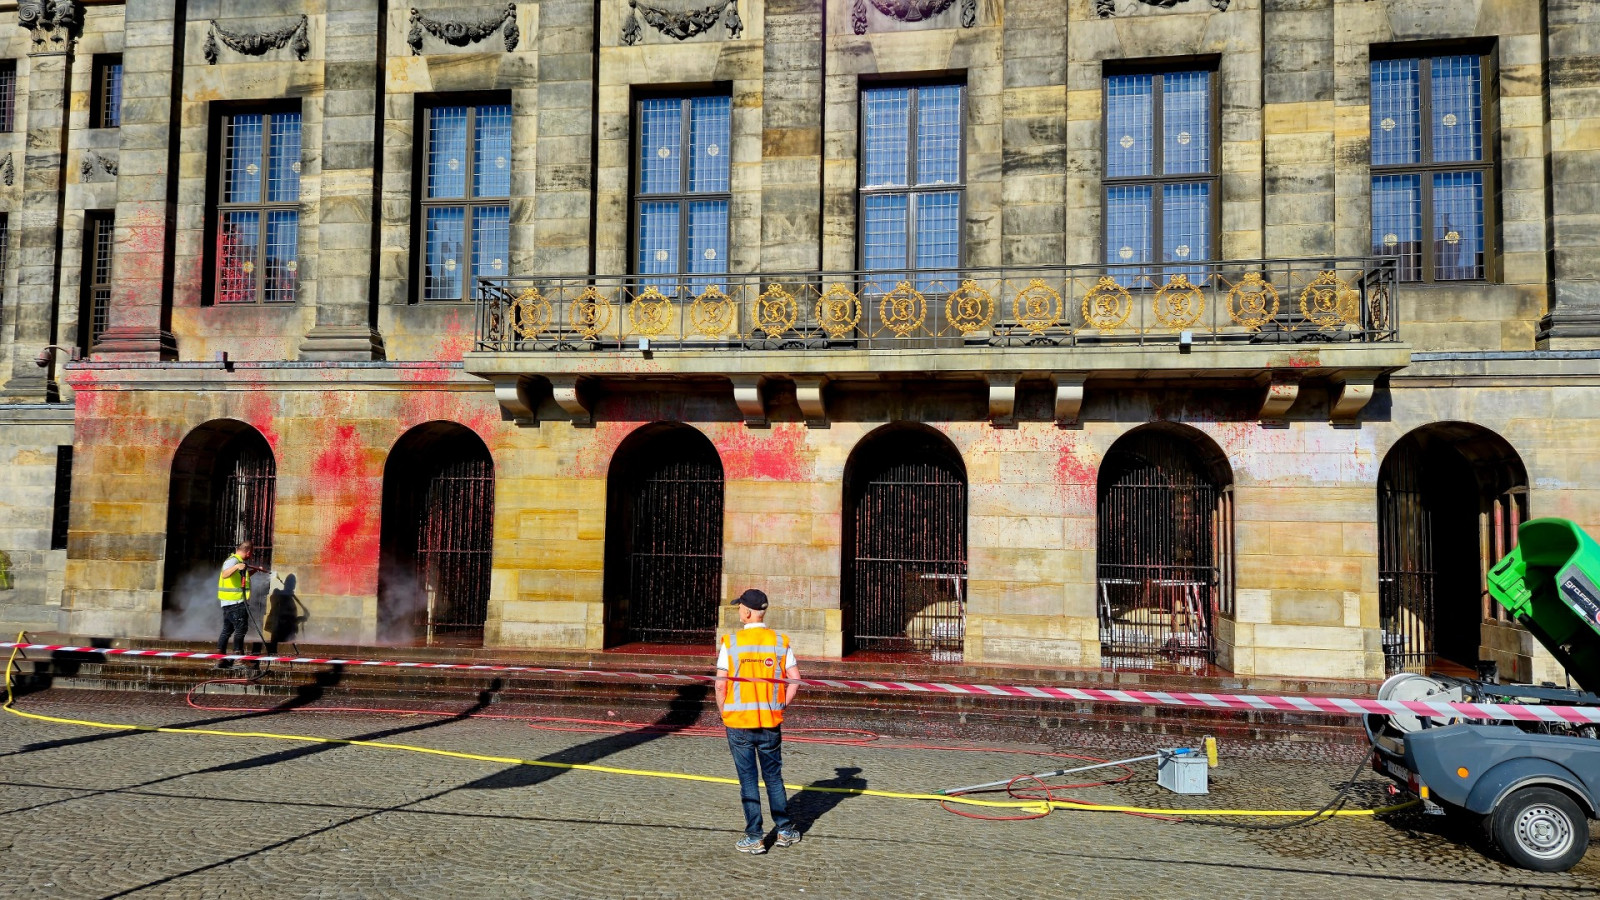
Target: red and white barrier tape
[{"x": 1351, "y": 706}]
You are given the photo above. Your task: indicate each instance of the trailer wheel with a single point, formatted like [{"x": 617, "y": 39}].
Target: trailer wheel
[{"x": 1541, "y": 829}]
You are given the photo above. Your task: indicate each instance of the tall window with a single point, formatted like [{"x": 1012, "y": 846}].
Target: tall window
[
  {"x": 912, "y": 166},
  {"x": 1431, "y": 169},
  {"x": 681, "y": 208},
  {"x": 466, "y": 198},
  {"x": 258, "y": 211},
  {"x": 1161, "y": 171},
  {"x": 106, "y": 93},
  {"x": 95, "y": 313},
  {"x": 8, "y": 95}
]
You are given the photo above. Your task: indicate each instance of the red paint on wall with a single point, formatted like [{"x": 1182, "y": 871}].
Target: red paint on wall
[
  {"x": 257, "y": 412},
  {"x": 594, "y": 458},
  {"x": 777, "y": 454},
  {"x": 1077, "y": 475},
  {"x": 457, "y": 339},
  {"x": 341, "y": 483}
]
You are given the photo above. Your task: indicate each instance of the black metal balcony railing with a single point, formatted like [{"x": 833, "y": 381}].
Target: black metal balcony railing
[{"x": 1262, "y": 301}]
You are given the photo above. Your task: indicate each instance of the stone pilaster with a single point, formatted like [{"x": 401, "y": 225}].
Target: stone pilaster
[
  {"x": 564, "y": 179},
  {"x": 1034, "y": 163},
  {"x": 55, "y": 27},
  {"x": 1299, "y": 116},
  {"x": 351, "y": 169},
  {"x": 1573, "y": 57},
  {"x": 791, "y": 136},
  {"x": 141, "y": 298}
]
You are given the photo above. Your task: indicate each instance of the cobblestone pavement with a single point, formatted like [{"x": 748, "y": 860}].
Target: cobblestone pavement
[{"x": 110, "y": 814}]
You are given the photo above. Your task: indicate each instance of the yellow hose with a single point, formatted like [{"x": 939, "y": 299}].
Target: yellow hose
[{"x": 1039, "y": 807}]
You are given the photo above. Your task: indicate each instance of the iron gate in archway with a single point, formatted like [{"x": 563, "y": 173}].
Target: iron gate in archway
[
  {"x": 1161, "y": 562},
  {"x": 673, "y": 557},
  {"x": 907, "y": 577},
  {"x": 242, "y": 505},
  {"x": 1406, "y": 573},
  {"x": 455, "y": 546}
]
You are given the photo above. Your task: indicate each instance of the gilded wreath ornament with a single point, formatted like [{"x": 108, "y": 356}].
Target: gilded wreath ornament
[
  {"x": 903, "y": 310},
  {"x": 1179, "y": 303},
  {"x": 1328, "y": 302},
  {"x": 838, "y": 311},
  {"x": 591, "y": 313},
  {"x": 1107, "y": 305},
  {"x": 969, "y": 308},
  {"x": 650, "y": 312},
  {"x": 1038, "y": 307},
  {"x": 711, "y": 313},
  {"x": 776, "y": 311},
  {"x": 1253, "y": 302},
  {"x": 531, "y": 314}
]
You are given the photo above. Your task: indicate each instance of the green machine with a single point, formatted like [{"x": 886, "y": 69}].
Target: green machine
[{"x": 1549, "y": 583}]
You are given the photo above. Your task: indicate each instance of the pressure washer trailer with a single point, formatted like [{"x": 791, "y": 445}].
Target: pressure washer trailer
[{"x": 1182, "y": 772}]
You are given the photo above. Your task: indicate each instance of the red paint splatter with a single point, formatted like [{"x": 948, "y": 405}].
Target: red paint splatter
[
  {"x": 1076, "y": 477},
  {"x": 594, "y": 457},
  {"x": 778, "y": 454},
  {"x": 457, "y": 339},
  {"x": 340, "y": 482},
  {"x": 258, "y": 413}
]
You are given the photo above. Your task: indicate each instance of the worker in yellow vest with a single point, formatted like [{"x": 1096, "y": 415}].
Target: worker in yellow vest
[
  {"x": 752, "y": 712},
  {"x": 233, "y": 592}
]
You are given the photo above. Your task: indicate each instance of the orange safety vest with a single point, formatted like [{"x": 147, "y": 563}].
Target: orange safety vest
[{"x": 755, "y": 653}]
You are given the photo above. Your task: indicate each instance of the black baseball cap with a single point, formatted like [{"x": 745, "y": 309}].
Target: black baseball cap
[{"x": 753, "y": 598}]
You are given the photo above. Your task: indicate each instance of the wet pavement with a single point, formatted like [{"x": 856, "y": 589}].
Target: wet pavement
[{"x": 91, "y": 813}]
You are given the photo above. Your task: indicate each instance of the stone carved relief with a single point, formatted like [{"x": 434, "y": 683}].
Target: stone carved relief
[
  {"x": 255, "y": 43},
  {"x": 910, "y": 11},
  {"x": 55, "y": 23},
  {"x": 8, "y": 172},
  {"x": 681, "y": 25},
  {"x": 459, "y": 32},
  {"x": 1105, "y": 9},
  {"x": 97, "y": 167}
]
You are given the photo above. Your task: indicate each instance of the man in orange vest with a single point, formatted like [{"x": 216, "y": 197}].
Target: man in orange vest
[{"x": 752, "y": 712}]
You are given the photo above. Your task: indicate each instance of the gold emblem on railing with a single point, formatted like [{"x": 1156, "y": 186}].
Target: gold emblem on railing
[
  {"x": 1178, "y": 303},
  {"x": 712, "y": 313},
  {"x": 903, "y": 310},
  {"x": 838, "y": 311},
  {"x": 530, "y": 314},
  {"x": 591, "y": 313},
  {"x": 1378, "y": 307},
  {"x": 776, "y": 311},
  {"x": 650, "y": 313},
  {"x": 1107, "y": 305},
  {"x": 969, "y": 308},
  {"x": 1253, "y": 302},
  {"x": 1328, "y": 302},
  {"x": 1037, "y": 307}
]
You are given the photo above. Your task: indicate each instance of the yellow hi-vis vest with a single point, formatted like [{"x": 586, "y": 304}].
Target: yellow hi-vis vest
[
  {"x": 232, "y": 588},
  {"x": 755, "y": 653}
]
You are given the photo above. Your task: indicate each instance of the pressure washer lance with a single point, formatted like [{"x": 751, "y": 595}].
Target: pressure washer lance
[{"x": 1210, "y": 750}]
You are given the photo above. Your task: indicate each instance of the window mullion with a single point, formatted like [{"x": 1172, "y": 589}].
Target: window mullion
[
  {"x": 685, "y": 135},
  {"x": 260, "y": 274}
]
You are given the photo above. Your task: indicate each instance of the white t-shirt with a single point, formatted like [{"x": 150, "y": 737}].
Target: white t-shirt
[{"x": 722, "y": 652}]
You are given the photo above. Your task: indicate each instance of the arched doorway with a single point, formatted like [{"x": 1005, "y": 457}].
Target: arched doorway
[
  {"x": 437, "y": 537},
  {"x": 1450, "y": 498},
  {"x": 222, "y": 493},
  {"x": 1164, "y": 547},
  {"x": 905, "y": 544},
  {"x": 663, "y": 579}
]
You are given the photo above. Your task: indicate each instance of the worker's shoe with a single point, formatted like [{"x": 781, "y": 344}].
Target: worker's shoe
[
  {"x": 755, "y": 845},
  {"x": 787, "y": 837}
]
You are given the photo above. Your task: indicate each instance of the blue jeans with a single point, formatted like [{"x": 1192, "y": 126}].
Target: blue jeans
[
  {"x": 766, "y": 744},
  {"x": 235, "y": 620}
]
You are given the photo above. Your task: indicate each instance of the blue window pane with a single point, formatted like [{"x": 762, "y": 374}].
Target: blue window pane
[
  {"x": 1128, "y": 229},
  {"x": 1458, "y": 226},
  {"x": 938, "y": 239},
  {"x": 491, "y": 163},
  {"x": 447, "y": 151},
  {"x": 886, "y": 116},
  {"x": 242, "y": 177},
  {"x": 491, "y": 241},
  {"x": 1396, "y": 112},
  {"x": 708, "y": 237},
  {"x": 939, "y": 135},
  {"x": 660, "y": 145},
  {"x": 443, "y": 263},
  {"x": 238, "y": 237},
  {"x": 708, "y": 143},
  {"x": 1186, "y": 228},
  {"x": 1129, "y": 125},
  {"x": 884, "y": 234},
  {"x": 283, "y": 255},
  {"x": 283, "y": 159},
  {"x": 1397, "y": 221},
  {"x": 1457, "y": 109},
  {"x": 658, "y": 240},
  {"x": 1186, "y": 122}
]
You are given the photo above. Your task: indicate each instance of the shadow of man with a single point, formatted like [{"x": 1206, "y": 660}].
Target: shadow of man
[
  {"x": 806, "y": 807},
  {"x": 284, "y": 616}
]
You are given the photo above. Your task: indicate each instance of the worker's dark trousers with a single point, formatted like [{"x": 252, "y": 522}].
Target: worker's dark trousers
[
  {"x": 764, "y": 747},
  {"x": 235, "y": 619}
]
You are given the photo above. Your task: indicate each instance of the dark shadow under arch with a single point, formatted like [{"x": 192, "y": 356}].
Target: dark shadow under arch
[
  {"x": 904, "y": 568},
  {"x": 664, "y": 516},
  {"x": 223, "y": 491},
  {"x": 1450, "y": 498},
  {"x": 436, "y": 544},
  {"x": 1164, "y": 547}
]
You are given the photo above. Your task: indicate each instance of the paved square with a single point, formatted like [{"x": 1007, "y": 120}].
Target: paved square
[{"x": 110, "y": 814}]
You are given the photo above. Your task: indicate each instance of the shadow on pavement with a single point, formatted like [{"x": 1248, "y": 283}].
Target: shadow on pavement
[{"x": 806, "y": 807}]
